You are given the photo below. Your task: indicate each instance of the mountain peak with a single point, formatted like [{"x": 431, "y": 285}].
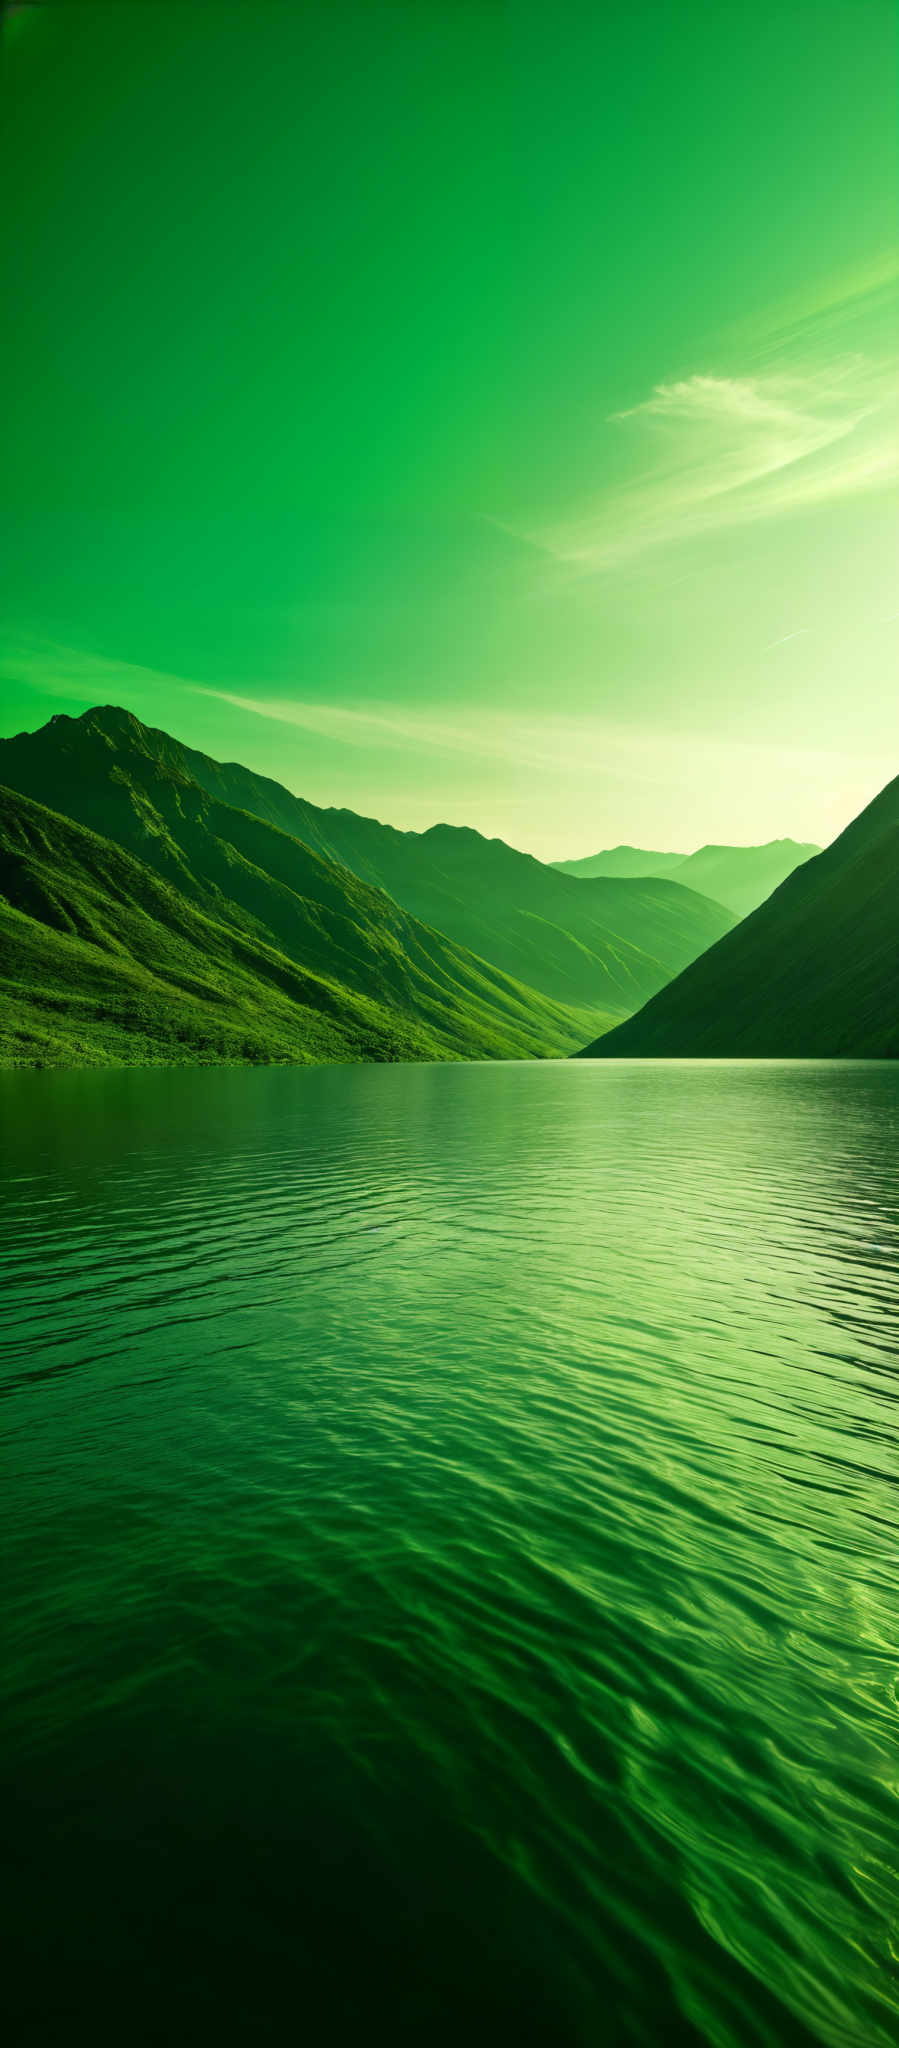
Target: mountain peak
[
  {"x": 113, "y": 717},
  {"x": 601, "y": 950}
]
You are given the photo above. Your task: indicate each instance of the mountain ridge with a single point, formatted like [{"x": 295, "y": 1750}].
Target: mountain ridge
[
  {"x": 103, "y": 958},
  {"x": 812, "y": 973},
  {"x": 740, "y": 877},
  {"x": 624, "y": 861},
  {"x": 603, "y": 947}
]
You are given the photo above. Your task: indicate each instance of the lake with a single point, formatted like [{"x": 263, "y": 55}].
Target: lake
[{"x": 452, "y": 1553}]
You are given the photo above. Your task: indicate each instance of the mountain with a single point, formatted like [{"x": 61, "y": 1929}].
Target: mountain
[
  {"x": 104, "y": 960},
  {"x": 740, "y": 877},
  {"x": 621, "y": 861},
  {"x": 814, "y": 972},
  {"x": 599, "y": 948},
  {"x": 743, "y": 876},
  {"x": 607, "y": 942}
]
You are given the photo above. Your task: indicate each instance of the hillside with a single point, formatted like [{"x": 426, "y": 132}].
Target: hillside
[
  {"x": 743, "y": 876},
  {"x": 613, "y": 944},
  {"x": 599, "y": 948},
  {"x": 105, "y": 961},
  {"x": 814, "y": 972},
  {"x": 621, "y": 861},
  {"x": 740, "y": 877}
]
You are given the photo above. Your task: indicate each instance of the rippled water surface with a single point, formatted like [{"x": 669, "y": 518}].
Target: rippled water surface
[{"x": 452, "y": 1554}]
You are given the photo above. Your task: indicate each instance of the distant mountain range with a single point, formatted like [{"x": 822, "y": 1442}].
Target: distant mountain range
[
  {"x": 621, "y": 861},
  {"x": 740, "y": 877},
  {"x": 814, "y": 972},
  {"x": 159, "y": 904}
]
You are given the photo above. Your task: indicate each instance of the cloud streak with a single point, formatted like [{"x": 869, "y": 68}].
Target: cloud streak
[
  {"x": 548, "y": 739},
  {"x": 868, "y": 293},
  {"x": 479, "y": 736},
  {"x": 556, "y": 782},
  {"x": 801, "y": 633},
  {"x": 710, "y": 452}
]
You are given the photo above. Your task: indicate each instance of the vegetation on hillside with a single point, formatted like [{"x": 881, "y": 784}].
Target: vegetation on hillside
[
  {"x": 813, "y": 973},
  {"x": 603, "y": 948},
  {"x": 103, "y": 960}
]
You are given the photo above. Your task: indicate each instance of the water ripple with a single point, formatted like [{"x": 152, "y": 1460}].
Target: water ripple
[{"x": 452, "y": 1524}]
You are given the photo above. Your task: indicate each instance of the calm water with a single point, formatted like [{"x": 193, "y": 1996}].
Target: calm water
[{"x": 452, "y": 1554}]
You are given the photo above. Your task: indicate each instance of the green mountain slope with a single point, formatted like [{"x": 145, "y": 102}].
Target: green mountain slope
[
  {"x": 813, "y": 972},
  {"x": 621, "y": 861},
  {"x": 600, "y": 948},
  {"x": 103, "y": 960},
  {"x": 606, "y": 942},
  {"x": 612, "y": 944},
  {"x": 740, "y": 877},
  {"x": 743, "y": 876}
]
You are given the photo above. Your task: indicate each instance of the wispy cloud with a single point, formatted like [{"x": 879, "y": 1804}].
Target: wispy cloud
[
  {"x": 801, "y": 633},
  {"x": 549, "y": 739},
  {"x": 833, "y": 311},
  {"x": 570, "y": 784},
  {"x": 57, "y": 670},
  {"x": 710, "y": 451},
  {"x": 396, "y": 729},
  {"x": 550, "y": 780}
]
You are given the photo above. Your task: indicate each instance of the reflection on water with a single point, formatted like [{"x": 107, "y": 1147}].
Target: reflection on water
[{"x": 452, "y": 1553}]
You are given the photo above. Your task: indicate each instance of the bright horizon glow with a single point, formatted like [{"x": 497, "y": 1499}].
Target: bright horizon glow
[
  {"x": 477, "y": 425},
  {"x": 822, "y": 790}
]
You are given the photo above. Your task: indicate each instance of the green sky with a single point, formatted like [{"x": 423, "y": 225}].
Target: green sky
[{"x": 478, "y": 411}]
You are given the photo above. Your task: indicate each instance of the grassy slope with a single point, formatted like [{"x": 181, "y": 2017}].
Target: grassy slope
[
  {"x": 813, "y": 972},
  {"x": 598, "y": 949},
  {"x": 103, "y": 960},
  {"x": 602, "y": 949},
  {"x": 614, "y": 942}
]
